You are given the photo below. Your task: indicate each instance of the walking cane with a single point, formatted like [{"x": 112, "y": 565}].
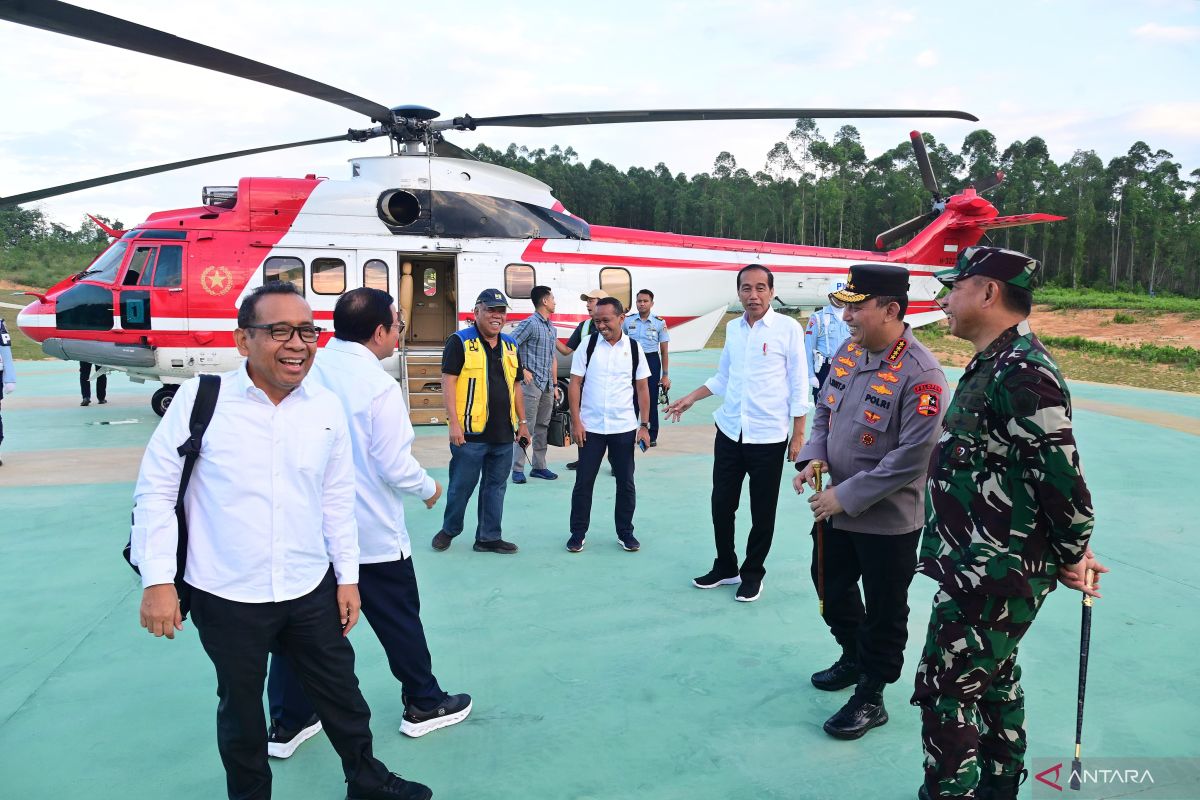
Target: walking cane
[
  {"x": 818, "y": 468},
  {"x": 1085, "y": 643}
]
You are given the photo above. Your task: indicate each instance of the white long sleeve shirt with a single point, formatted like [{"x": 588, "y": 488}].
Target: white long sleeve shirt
[
  {"x": 606, "y": 402},
  {"x": 381, "y": 438},
  {"x": 763, "y": 378},
  {"x": 271, "y": 500}
]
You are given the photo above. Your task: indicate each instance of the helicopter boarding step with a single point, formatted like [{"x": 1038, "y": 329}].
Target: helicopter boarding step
[{"x": 423, "y": 379}]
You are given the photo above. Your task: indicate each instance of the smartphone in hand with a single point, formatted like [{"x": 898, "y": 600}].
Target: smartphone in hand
[{"x": 642, "y": 445}]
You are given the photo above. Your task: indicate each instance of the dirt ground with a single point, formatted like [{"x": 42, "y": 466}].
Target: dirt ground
[{"x": 1173, "y": 330}]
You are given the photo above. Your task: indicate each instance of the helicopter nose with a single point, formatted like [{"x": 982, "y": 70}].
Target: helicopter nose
[{"x": 36, "y": 320}]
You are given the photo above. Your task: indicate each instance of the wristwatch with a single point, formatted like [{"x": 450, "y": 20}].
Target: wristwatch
[{"x": 645, "y": 425}]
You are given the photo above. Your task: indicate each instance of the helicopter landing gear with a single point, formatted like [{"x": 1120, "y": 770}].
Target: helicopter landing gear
[{"x": 161, "y": 399}]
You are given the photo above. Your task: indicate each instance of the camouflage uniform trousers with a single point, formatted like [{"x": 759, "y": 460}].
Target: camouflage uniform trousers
[{"x": 968, "y": 688}]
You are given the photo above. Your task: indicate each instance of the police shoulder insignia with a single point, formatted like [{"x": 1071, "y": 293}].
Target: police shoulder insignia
[
  {"x": 927, "y": 388},
  {"x": 927, "y": 405},
  {"x": 898, "y": 349},
  {"x": 867, "y": 440}
]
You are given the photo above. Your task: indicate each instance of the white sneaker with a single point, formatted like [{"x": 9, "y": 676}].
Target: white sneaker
[
  {"x": 453, "y": 709},
  {"x": 281, "y": 743}
]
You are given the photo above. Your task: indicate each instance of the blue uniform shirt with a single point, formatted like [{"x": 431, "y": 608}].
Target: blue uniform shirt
[
  {"x": 7, "y": 369},
  {"x": 649, "y": 333},
  {"x": 824, "y": 336}
]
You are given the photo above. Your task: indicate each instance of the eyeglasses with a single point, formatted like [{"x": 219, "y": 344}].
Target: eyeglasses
[{"x": 282, "y": 332}]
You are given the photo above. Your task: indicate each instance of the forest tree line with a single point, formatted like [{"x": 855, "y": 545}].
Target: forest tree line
[{"x": 1133, "y": 223}]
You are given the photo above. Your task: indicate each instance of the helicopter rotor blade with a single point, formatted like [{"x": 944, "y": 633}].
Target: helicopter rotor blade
[
  {"x": 81, "y": 23},
  {"x": 66, "y": 188},
  {"x": 904, "y": 229},
  {"x": 918, "y": 145},
  {"x": 686, "y": 114},
  {"x": 988, "y": 182}
]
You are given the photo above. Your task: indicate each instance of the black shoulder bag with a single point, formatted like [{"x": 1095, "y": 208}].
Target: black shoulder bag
[{"x": 202, "y": 413}]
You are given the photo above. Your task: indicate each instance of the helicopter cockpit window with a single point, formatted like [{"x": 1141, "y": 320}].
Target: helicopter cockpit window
[
  {"x": 140, "y": 263},
  {"x": 284, "y": 268},
  {"x": 429, "y": 281},
  {"x": 460, "y": 214},
  {"x": 616, "y": 282},
  {"x": 519, "y": 280},
  {"x": 168, "y": 273},
  {"x": 328, "y": 276},
  {"x": 104, "y": 269},
  {"x": 375, "y": 275}
]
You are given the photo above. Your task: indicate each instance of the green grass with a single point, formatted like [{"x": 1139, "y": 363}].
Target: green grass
[
  {"x": 1188, "y": 357},
  {"x": 44, "y": 264},
  {"x": 1062, "y": 298},
  {"x": 1121, "y": 318}
]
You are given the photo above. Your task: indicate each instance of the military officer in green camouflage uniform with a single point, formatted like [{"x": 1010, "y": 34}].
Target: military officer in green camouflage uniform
[{"x": 1007, "y": 514}]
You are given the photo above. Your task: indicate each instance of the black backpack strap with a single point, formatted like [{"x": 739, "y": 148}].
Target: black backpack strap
[
  {"x": 591, "y": 348},
  {"x": 202, "y": 414},
  {"x": 637, "y": 358}
]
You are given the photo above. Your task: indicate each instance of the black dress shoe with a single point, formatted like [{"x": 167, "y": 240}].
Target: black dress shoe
[
  {"x": 923, "y": 792},
  {"x": 843, "y": 673},
  {"x": 394, "y": 788},
  {"x": 495, "y": 546},
  {"x": 85, "y": 402},
  {"x": 863, "y": 711},
  {"x": 573, "y": 465}
]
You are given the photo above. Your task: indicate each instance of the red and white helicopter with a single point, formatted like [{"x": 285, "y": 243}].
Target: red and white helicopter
[{"x": 428, "y": 223}]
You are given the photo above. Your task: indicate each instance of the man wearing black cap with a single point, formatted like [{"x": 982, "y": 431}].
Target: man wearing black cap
[
  {"x": 876, "y": 423},
  {"x": 1007, "y": 515},
  {"x": 481, "y": 376}
]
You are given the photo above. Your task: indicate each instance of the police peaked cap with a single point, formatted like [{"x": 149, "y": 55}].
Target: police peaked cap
[
  {"x": 993, "y": 262},
  {"x": 869, "y": 280}
]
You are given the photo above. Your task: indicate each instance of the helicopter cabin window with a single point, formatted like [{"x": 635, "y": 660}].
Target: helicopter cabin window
[
  {"x": 284, "y": 268},
  {"x": 140, "y": 263},
  {"x": 616, "y": 282},
  {"x": 375, "y": 275},
  {"x": 519, "y": 280},
  {"x": 328, "y": 276},
  {"x": 104, "y": 269},
  {"x": 168, "y": 273},
  {"x": 429, "y": 282}
]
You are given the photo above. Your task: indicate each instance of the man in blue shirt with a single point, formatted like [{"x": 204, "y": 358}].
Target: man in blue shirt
[
  {"x": 8, "y": 373},
  {"x": 824, "y": 335},
  {"x": 537, "y": 340},
  {"x": 650, "y": 331}
]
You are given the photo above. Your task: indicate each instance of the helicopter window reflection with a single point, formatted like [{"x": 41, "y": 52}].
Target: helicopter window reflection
[
  {"x": 104, "y": 269},
  {"x": 284, "y": 268},
  {"x": 519, "y": 280},
  {"x": 429, "y": 281},
  {"x": 375, "y": 275},
  {"x": 616, "y": 282},
  {"x": 140, "y": 263},
  {"x": 168, "y": 273},
  {"x": 328, "y": 276}
]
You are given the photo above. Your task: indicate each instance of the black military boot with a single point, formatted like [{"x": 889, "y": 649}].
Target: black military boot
[
  {"x": 843, "y": 673},
  {"x": 862, "y": 712},
  {"x": 999, "y": 787}
]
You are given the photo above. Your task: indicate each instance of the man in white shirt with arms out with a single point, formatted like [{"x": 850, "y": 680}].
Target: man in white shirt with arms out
[
  {"x": 366, "y": 330},
  {"x": 269, "y": 508},
  {"x": 763, "y": 377},
  {"x": 604, "y": 371}
]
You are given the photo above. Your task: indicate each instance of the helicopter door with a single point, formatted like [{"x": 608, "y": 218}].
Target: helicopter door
[
  {"x": 150, "y": 295},
  {"x": 434, "y": 309}
]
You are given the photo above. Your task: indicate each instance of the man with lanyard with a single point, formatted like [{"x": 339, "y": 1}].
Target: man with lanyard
[
  {"x": 823, "y": 336},
  {"x": 1008, "y": 515},
  {"x": 272, "y": 551},
  {"x": 8, "y": 372},
  {"x": 763, "y": 377},
  {"x": 874, "y": 428},
  {"x": 650, "y": 331},
  {"x": 537, "y": 341},
  {"x": 366, "y": 329},
  {"x": 582, "y": 331},
  {"x": 481, "y": 375},
  {"x": 604, "y": 374}
]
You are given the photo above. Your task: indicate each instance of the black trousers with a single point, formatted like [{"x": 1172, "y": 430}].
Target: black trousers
[
  {"x": 820, "y": 376},
  {"x": 392, "y": 607},
  {"x": 619, "y": 447},
  {"x": 237, "y": 637},
  {"x": 875, "y": 635},
  {"x": 654, "y": 361},
  {"x": 85, "y": 384},
  {"x": 732, "y": 462}
]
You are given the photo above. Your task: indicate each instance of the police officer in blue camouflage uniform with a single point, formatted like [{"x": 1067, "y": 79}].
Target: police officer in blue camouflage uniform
[
  {"x": 824, "y": 334},
  {"x": 1008, "y": 515},
  {"x": 650, "y": 331},
  {"x": 8, "y": 372}
]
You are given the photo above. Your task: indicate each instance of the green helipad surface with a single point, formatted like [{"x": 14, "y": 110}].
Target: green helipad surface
[{"x": 598, "y": 675}]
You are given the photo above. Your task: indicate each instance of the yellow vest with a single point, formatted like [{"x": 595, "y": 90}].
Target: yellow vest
[{"x": 471, "y": 399}]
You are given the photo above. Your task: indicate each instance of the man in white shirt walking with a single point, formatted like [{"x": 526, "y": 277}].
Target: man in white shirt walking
[
  {"x": 604, "y": 371},
  {"x": 269, "y": 509},
  {"x": 763, "y": 377},
  {"x": 366, "y": 330}
]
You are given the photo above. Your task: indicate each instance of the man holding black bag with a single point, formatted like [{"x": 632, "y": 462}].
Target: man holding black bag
[{"x": 270, "y": 506}]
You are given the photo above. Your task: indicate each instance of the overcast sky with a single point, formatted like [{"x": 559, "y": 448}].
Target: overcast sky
[{"x": 1082, "y": 75}]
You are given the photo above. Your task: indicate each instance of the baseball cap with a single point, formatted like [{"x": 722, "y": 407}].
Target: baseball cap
[
  {"x": 594, "y": 294},
  {"x": 491, "y": 298}
]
